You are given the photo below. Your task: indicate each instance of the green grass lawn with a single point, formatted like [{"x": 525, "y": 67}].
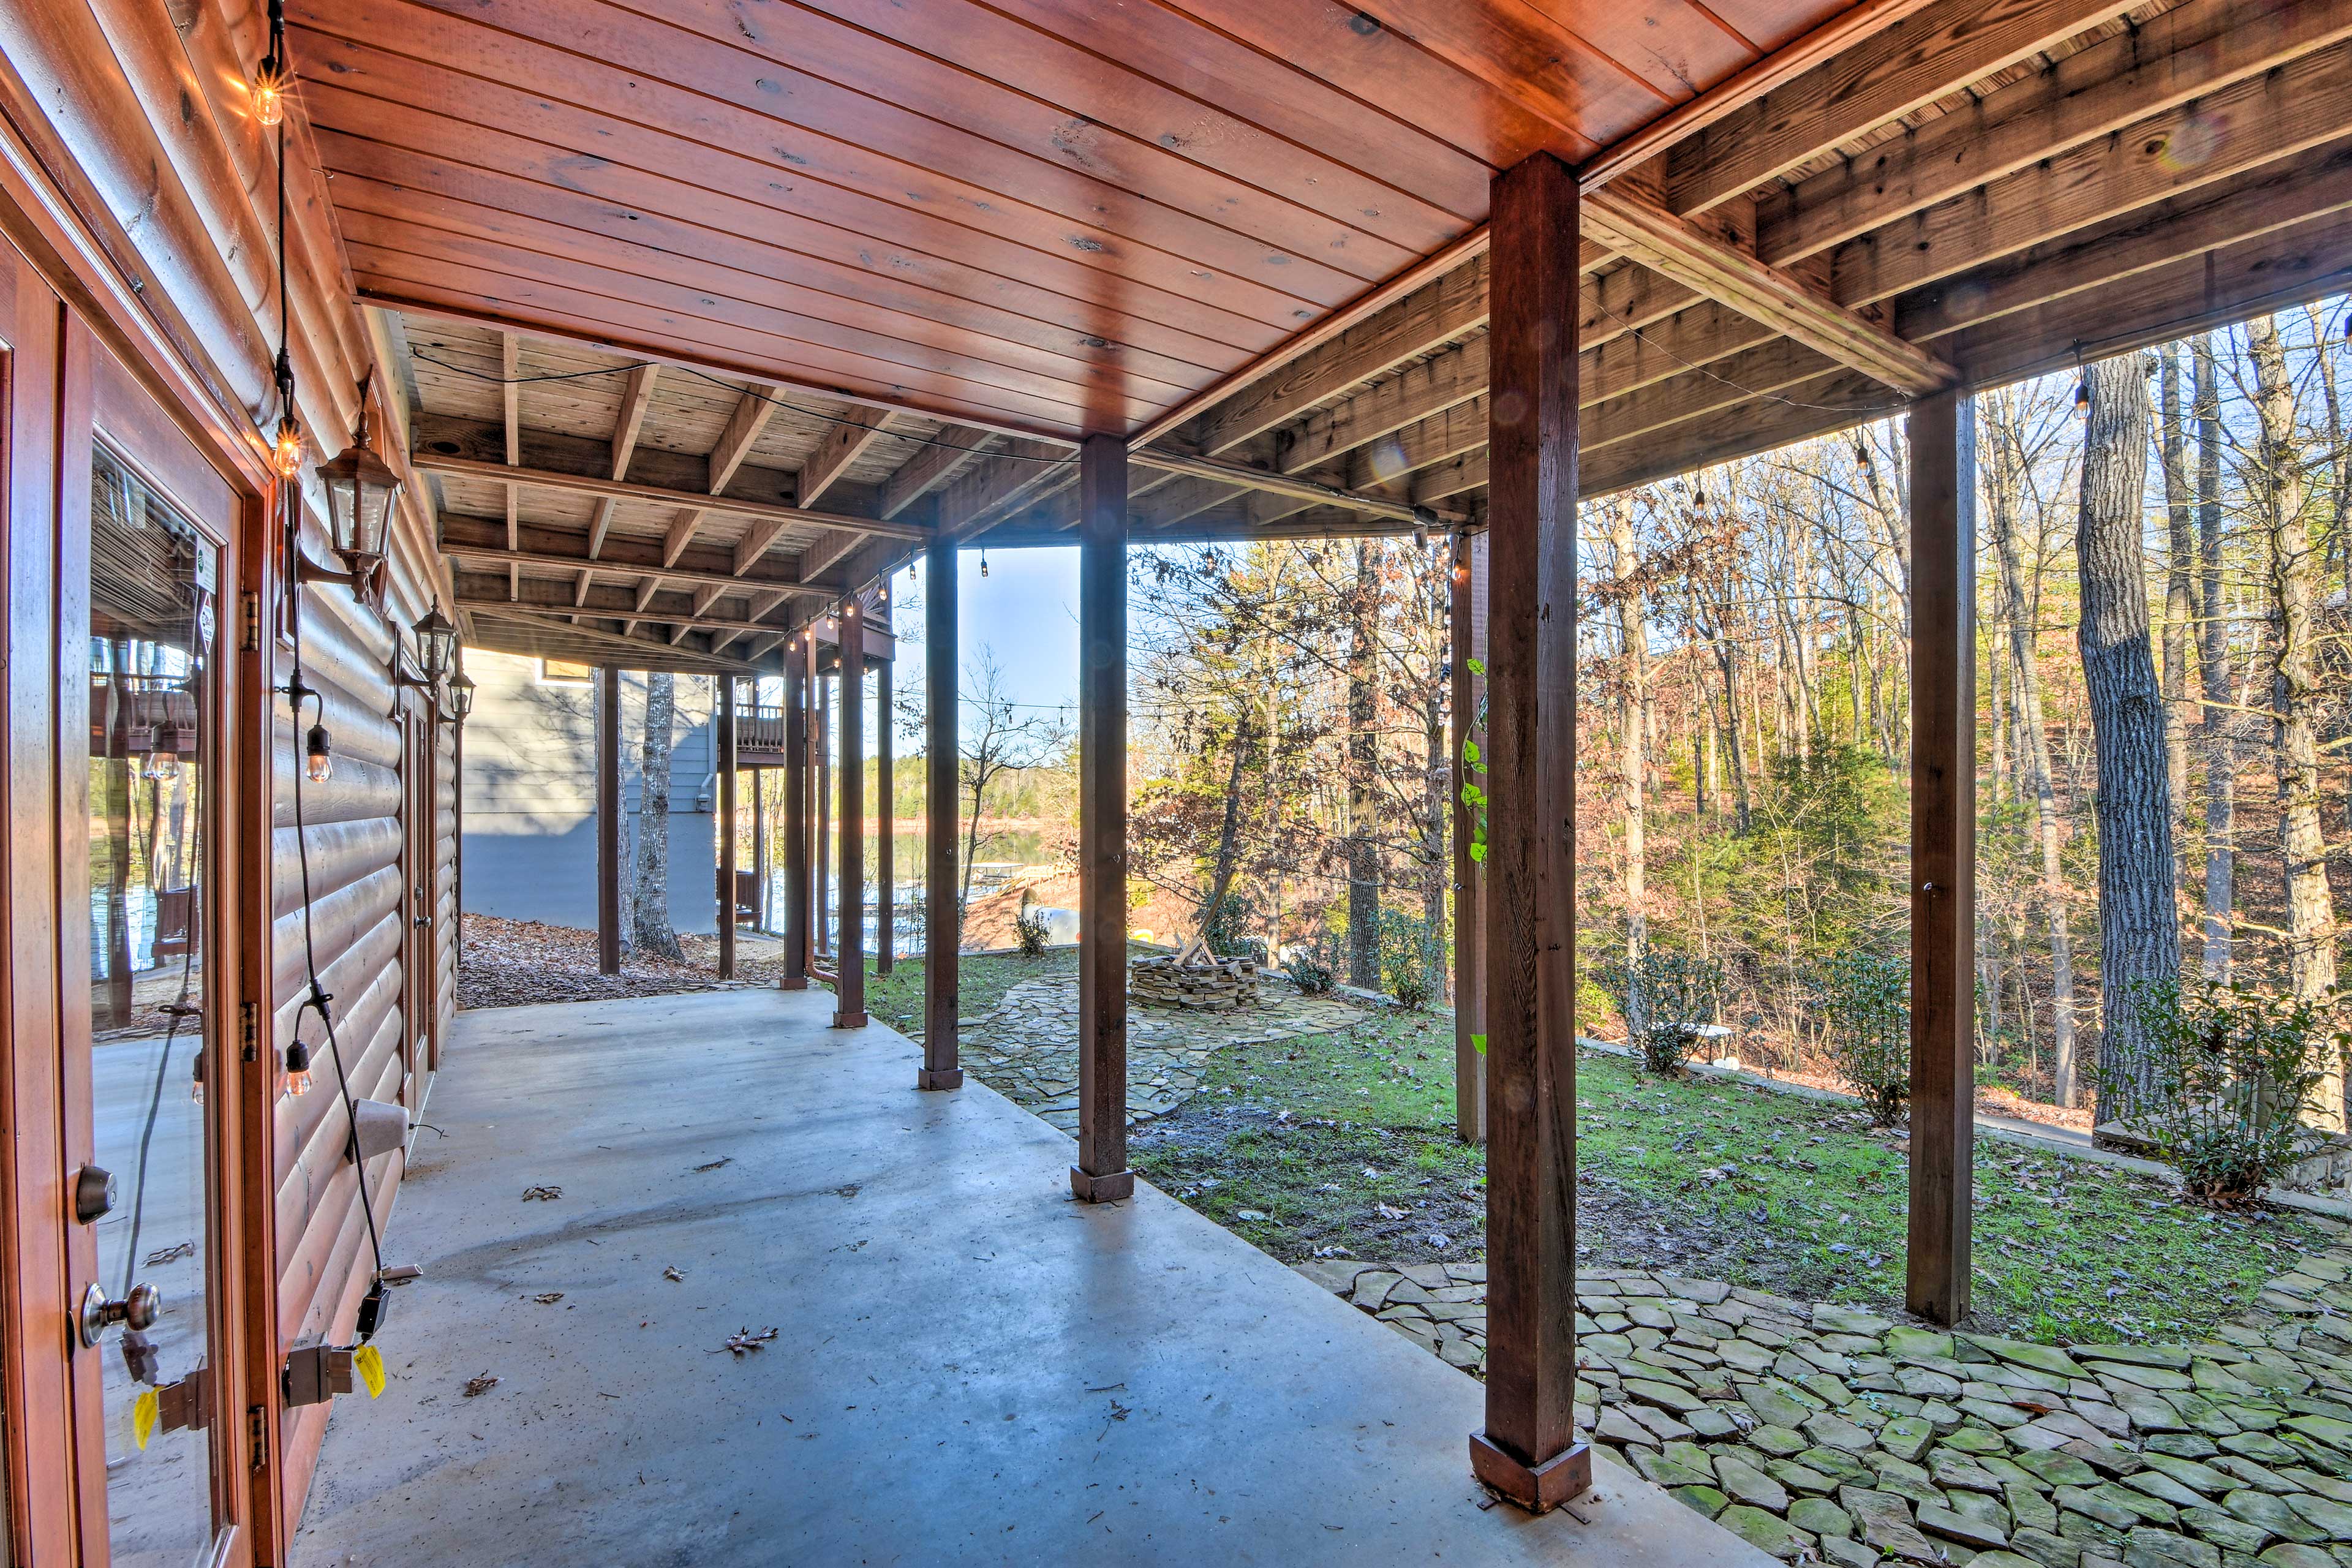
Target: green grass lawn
[{"x": 1345, "y": 1140}]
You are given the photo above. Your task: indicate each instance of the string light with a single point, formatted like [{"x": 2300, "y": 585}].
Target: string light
[
  {"x": 286, "y": 450},
  {"x": 2083, "y": 398},
  {"x": 320, "y": 760},
  {"x": 983, "y": 564},
  {"x": 298, "y": 1069},
  {"x": 273, "y": 82}
]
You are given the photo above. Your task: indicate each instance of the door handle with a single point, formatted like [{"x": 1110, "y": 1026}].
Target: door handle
[{"x": 137, "y": 1311}]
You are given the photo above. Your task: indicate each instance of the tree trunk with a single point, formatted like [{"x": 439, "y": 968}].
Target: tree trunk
[
  {"x": 2220, "y": 743},
  {"x": 2296, "y": 698},
  {"x": 649, "y": 925},
  {"x": 1363, "y": 757},
  {"x": 2005, "y": 508},
  {"x": 1221, "y": 876},
  {"x": 1634, "y": 640},
  {"x": 2139, "y": 939},
  {"x": 2180, "y": 601}
]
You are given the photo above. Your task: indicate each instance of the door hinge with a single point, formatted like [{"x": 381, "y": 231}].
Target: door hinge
[
  {"x": 249, "y": 1025},
  {"x": 249, "y": 613},
  {"x": 258, "y": 1425}
]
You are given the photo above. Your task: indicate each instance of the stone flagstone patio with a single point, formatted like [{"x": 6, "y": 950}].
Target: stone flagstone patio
[
  {"x": 1821, "y": 1432},
  {"x": 1026, "y": 1049}
]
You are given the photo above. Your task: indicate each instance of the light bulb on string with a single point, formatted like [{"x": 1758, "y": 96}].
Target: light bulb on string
[
  {"x": 319, "y": 756},
  {"x": 983, "y": 564},
  {"x": 269, "y": 86},
  {"x": 298, "y": 1069},
  {"x": 286, "y": 450},
  {"x": 2083, "y": 398}
]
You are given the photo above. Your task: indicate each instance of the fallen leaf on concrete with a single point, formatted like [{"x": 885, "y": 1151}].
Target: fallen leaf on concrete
[
  {"x": 672, "y": 1272},
  {"x": 541, "y": 1194},
  {"x": 548, "y": 1297},
  {"x": 478, "y": 1386},
  {"x": 743, "y": 1340},
  {"x": 722, "y": 1160}
]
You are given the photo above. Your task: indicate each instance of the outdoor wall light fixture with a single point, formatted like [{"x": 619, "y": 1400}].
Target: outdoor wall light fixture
[
  {"x": 461, "y": 696},
  {"x": 361, "y": 488},
  {"x": 435, "y": 638}
]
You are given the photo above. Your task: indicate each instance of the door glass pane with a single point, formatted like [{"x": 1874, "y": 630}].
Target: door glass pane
[{"x": 152, "y": 582}]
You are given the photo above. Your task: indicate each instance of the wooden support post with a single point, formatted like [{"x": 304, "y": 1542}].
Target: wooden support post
[
  {"x": 1943, "y": 854},
  {"x": 1469, "y": 1061},
  {"x": 796, "y": 821},
  {"x": 762, "y": 902},
  {"x": 608, "y": 820},
  {"x": 824, "y": 742},
  {"x": 849, "y": 947},
  {"x": 727, "y": 853},
  {"x": 1101, "y": 1175},
  {"x": 942, "y": 913},
  {"x": 885, "y": 810},
  {"x": 1530, "y": 1451}
]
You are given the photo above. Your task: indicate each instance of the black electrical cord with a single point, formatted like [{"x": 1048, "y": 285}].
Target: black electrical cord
[{"x": 320, "y": 1000}]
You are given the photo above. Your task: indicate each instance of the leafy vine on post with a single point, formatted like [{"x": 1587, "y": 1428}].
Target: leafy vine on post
[{"x": 1473, "y": 797}]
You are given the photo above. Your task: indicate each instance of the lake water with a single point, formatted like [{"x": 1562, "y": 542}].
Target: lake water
[{"x": 1000, "y": 859}]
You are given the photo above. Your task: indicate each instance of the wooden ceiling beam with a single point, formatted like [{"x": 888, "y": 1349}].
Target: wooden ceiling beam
[
  {"x": 2281, "y": 114},
  {"x": 1296, "y": 487},
  {"x": 848, "y": 441},
  {"x": 510, "y": 407},
  {"x": 483, "y": 539},
  {"x": 1901, "y": 68},
  {"x": 656, "y": 495},
  {"x": 940, "y": 459},
  {"x": 636, "y": 398},
  {"x": 1000, "y": 485},
  {"x": 550, "y": 627},
  {"x": 2201, "y": 47},
  {"x": 1687, "y": 254},
  {"x": 612, "y": 604}
]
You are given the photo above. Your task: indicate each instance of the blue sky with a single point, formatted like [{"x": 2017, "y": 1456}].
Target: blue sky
[{"x": 1025, "y": 612}]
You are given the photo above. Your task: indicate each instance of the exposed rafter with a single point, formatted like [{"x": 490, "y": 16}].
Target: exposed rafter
[
  {"x": 626, "y": 491},
  {"x": 1685, "y": 252}
]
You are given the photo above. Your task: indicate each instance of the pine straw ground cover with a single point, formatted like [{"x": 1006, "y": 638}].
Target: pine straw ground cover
[{"x": 520, "y": 963}]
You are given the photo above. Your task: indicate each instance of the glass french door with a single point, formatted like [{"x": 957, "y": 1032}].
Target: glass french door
[{"x": 148, "y": 1193}]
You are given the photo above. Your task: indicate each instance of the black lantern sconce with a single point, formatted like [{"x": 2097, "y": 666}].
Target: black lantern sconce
[{"x": 360, "y": 489}]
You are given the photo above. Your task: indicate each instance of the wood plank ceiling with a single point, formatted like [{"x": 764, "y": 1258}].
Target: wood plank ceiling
[{"x": 840, "y": 266}]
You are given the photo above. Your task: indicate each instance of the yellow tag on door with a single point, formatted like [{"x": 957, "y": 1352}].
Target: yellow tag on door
[
  {"x": 144, "y": 1414},
  {"x": 370, "y": 1363}
]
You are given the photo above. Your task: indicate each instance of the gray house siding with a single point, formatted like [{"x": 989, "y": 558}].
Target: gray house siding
[{"x": 529, "y": 800}]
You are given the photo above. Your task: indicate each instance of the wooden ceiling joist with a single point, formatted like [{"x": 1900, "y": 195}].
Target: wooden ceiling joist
[
  {"x": 1676, "y": 248},
  {"x": 656, "y": 495},
  {"x": 483, "y": 539}
]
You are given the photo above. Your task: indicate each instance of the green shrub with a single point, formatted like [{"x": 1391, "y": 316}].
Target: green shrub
[
  {"x": 1229, "y": 932},
  {"x": 1031, "y": 932},
  {"x": 1315, "y": 966},
  {"x": 1666, "y": 996},
  {"x": 1861, "y": 1002},
  {"x": 2224, "y": 1080},
  {"x": 1410, "y": 959}
]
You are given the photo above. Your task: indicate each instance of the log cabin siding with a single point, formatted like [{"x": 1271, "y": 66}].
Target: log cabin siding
[{"x": 146, "y": 195}]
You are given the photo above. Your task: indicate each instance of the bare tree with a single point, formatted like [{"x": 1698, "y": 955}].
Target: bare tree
[
  {"x": 994, "y": 740},
  {"x": 2296, "y": 698},
  {"x": 1364, "y": 764},
  {"x": 1634, "y": 695},
  {"x": 2139, "y": 935},
  {"x": 2221, "y": 740},
  {"x": 2006, "y": 455},
  {"x": 650, "y": 928}
]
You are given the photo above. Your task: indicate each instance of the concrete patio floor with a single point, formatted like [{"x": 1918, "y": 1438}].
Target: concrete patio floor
[{"x": 969, "y": 1366}]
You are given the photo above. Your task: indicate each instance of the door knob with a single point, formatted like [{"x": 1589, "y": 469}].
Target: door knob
[{"x": 139, "y": 1309}]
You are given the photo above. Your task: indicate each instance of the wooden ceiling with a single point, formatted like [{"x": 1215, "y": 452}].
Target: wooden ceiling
[{"x": 843, "y": 268}]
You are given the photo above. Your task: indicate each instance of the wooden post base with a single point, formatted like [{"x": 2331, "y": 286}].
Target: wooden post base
[
  {"x": 799, "y": 984},
  {"x": 1566, "y": 1474},
  {"x": 940, "y": 1077},
  {"x": 849, "y": 1020},
  {"x": 1113, "y": 1188}
]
